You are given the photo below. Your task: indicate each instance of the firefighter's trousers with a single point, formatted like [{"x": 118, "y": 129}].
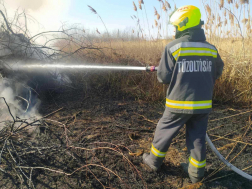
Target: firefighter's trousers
[{"x": 169, "y": 126}]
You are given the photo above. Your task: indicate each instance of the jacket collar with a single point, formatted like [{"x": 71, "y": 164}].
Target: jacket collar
[{"x": 195, "y": 34}]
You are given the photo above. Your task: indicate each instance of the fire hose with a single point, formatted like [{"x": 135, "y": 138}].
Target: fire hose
[
  {"x": 235, "y": 169},
  {"x": 125, "y": 68}
]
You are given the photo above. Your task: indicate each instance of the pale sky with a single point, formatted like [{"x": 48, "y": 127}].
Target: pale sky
[{"x": 116, "y": 14}]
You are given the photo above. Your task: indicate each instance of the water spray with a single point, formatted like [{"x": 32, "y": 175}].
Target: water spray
[
  {"x": 40, "y": 67},
  {"x": 89, "y": 67}
]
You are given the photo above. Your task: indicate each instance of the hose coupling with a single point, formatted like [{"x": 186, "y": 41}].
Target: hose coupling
[{"x": 151, "y": 68}]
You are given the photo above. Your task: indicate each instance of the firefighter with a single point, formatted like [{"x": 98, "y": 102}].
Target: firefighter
[{"x": 190, "y": 66}]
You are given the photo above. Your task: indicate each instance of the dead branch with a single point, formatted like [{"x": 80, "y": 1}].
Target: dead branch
[
  {"x": 38, "y": 120},
  {"x": 230, "y": 116},
  {"x": 6, "y": 22},
  {"x": 135, "y": 129},
  {"x": 8, "y": 109}
]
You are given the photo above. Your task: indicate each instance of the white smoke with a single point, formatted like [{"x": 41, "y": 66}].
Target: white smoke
[
  {"x": 47, "y": 13},
  {"x": 19, "y": 104},
  {"x": 44, "y": 15},
  {"x": 28, "y": 4}
]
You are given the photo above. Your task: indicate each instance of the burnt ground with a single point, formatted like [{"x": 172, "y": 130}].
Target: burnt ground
[{"x": 97, "y": 139}]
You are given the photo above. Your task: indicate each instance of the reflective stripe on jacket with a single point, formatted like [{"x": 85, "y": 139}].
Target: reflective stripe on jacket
[
  {"x": 190, "y": 65},
  {"x": 193, "y": 49}
]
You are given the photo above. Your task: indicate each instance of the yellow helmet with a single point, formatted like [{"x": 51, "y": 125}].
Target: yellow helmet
[{"x": 186, "y": 17}]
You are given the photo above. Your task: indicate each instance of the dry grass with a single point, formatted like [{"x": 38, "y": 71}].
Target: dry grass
[
  {"x": 167, "y": 4},
  {"x": 208, "y": 9},
  {"x": 134, "y": 5},
  {"x": 231, "y": 36},
  {"x": 221, "y": 4},
  {"x": 173, "y": 156},
  {"x": 230, "y": 1},
  {"x": 193, "y": 186},
  {"x": 244, "y": 1},
  {"x": 227, "y": 146},
  {"x": 234, "y": 86}
]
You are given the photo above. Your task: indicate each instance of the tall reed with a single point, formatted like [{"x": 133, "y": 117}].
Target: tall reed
[{"x": 225, "y": 28}]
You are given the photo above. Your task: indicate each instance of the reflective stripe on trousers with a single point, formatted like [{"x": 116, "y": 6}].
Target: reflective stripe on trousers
[
  {"x": 157, "y": 153},
  {"x": 190, "y": 105},
  {"x": 197, "y": 164}
]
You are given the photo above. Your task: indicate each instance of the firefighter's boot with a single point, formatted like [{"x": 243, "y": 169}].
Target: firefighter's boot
[
  {"x": 192, "y": 178},
  {"x": 152, "y": 162}
]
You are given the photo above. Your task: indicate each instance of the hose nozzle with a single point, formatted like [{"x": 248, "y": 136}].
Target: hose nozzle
[{"x": 151, "y": 68}]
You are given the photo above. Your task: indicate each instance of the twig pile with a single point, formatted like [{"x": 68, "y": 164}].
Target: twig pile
[{"x": 22, "y": 155}]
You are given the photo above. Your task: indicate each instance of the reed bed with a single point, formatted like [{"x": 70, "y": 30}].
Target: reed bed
[{"x": 228, "y": 27}]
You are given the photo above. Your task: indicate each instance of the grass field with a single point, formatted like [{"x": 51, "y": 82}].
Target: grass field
[
  {"x": 234, "y": 86},
  {"x": 225, "y": 28}
]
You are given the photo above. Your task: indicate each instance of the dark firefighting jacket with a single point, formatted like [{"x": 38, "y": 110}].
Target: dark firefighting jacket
[{"x": 190, "y": 66}]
